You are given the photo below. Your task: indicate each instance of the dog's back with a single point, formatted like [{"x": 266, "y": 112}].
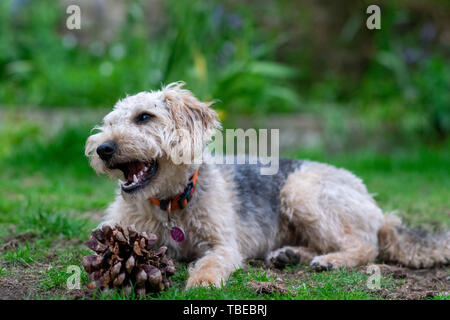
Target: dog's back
[
  {"x": 258, "y": 198},
  {"x": 259, "y": 194}
]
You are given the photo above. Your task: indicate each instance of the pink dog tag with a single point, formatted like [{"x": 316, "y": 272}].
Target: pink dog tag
[{"x": 177, "y": 234}]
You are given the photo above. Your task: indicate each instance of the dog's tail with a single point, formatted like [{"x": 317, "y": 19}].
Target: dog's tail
[{"x": 412, "y": 247}]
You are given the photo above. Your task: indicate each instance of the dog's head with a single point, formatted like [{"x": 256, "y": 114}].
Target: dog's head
[{"x": 151, "y": 139}]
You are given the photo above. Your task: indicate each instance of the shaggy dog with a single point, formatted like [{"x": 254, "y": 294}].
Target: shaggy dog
[{"x": 221, "y": 215}]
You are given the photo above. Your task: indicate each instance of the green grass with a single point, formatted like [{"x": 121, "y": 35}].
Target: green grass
[
  {"x": 56, "y": 277},
  {"x": 49, "y": 190},
  {"x": 330, "y": 285},
  {"x": 22, "y": 255}
]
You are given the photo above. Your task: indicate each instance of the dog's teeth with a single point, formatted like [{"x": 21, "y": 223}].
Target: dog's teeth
[{"x": 135, "y": 179}]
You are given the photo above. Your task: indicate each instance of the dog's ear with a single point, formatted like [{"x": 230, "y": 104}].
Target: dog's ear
[{"x": 189, "y": 113}]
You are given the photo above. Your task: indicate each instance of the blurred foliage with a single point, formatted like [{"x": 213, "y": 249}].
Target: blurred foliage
[
  {"x": 270, "y": 56},
  {"x": 409, "y": 79},
  {"x": 396, "y": 78},
  {"x": 219, "y": 55}
]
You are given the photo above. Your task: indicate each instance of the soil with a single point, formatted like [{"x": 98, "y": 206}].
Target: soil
[
  {"x": 268, "y": 287},
  {"x": 14, "y": 288},
  {"x": 12, "y": 242},
  {"x": 417, "y": 284},
  {"x": 410, "y": 284},
  {"x": 22, "y": 281}
]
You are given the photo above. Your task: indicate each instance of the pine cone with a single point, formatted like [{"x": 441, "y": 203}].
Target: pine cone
[{"x": 127, "y": 261}]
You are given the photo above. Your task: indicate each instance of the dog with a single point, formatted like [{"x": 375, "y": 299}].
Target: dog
[{"x": 220, "y": 215}]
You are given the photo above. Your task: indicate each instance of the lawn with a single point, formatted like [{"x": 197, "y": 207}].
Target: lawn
[{"x": 50, "y": 199}]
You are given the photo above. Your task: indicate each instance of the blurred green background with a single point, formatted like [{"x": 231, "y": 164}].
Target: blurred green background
[{"x": 256, "y": 57}]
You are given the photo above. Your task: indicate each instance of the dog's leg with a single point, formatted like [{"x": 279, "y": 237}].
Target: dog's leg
[
  {"x": 334, "y": 215},
  {"x": 215, "y": 267},
  {"x": 355, "y": 252}
]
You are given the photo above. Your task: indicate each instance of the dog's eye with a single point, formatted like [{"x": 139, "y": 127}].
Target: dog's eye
[{"x": 143, "y": 118}]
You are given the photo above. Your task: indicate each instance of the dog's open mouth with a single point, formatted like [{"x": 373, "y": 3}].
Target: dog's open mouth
[{"x": 137, "y": 174}]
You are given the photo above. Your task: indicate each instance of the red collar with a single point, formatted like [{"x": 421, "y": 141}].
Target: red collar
[{"x": 181, "y": 200}]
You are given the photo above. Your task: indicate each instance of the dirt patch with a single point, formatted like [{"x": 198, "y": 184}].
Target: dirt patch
[
  {"x": 20, "y": 281},
  {"x": 416, "y": 284},
  {"x": 407, "y": 284},
  {"x": 18, "y": 284},
  {"x": 75, "y": 294},
  {"x": 23, "y": 283},
  {"x": 268, "y": 287},
  {"x": 13, "y": 241}
]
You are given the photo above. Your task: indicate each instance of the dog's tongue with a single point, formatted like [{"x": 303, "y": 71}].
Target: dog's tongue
[{"x": 134, "y": 168}]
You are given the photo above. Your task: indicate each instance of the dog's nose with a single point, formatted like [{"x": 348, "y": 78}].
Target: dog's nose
[{"x": 106, "y": 150}]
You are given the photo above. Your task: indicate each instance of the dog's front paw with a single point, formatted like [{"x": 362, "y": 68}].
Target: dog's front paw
[
  {"x": 322, "y": 263},
  {"x": 207, "y": 279},
  {"x": 282, "y": 257}
]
